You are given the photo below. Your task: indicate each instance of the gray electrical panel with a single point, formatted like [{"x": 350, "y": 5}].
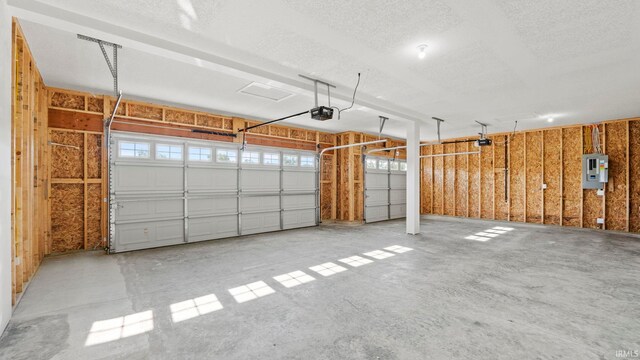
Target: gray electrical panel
[{"x": 595, "y": 171}]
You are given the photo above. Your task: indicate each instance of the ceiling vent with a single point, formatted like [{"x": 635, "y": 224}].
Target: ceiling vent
[{"x": 265, "y": 91}]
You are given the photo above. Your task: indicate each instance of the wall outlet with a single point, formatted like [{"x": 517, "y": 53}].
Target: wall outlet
[
  {"x": 17, "y": 260},
  {"x": 544, "y": 186},
  {"x": 600, "y": 192},
  {"x": 600, "y": 220}
]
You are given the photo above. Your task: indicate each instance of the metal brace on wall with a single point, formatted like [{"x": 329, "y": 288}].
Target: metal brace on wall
[
  {"x": 383, "y": 120},
  {"x": 483, "y": 130},
  {"x": 439, "y": 121},
  {"x": 112, "y": 64}
]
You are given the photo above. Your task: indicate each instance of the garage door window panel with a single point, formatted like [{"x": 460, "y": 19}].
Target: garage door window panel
[
  {"x": 168, "y": 152},
  {"x": 271, "y": 159},
  {"x": 130, "y": 149},
  {"x": 228, "y": 156},
  {"x": 201, "y": 154},
  {"x": 290, "y": 160},
  {"x": 251, "y": 157}
]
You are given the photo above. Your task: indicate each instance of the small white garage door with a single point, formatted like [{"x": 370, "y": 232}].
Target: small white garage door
[
  {"x": 384, "y": 189},
  {"x": 167, "y": 190}
]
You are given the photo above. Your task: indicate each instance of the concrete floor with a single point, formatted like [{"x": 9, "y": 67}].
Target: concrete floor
[{"x": 534, "y": 292}]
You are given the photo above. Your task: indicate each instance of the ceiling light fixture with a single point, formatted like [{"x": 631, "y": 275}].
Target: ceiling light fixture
[
  {"x": 550, "y": 119},
  {"x": 422, "y": 51}
]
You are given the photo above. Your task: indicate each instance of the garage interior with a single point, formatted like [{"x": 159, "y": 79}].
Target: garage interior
[{"x": 439, "y": 179}]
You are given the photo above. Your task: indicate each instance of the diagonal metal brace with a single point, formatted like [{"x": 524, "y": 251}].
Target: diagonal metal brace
[
  {"x": 113, "y": 66},
  {"x": 383, "y": 120}
]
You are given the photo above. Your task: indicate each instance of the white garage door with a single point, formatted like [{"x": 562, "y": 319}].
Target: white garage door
[
  {"x": 167, "y": 190},
  {"x": 384, "y": 189}
]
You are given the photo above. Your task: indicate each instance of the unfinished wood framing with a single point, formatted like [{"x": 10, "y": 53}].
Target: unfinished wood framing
[
  {"x": 517, "y": 177},
  {"x": 350, "y": 172},
  {"x": 487, "y": 180},
  {"x": 544, "y": 186},
  {"x": 634, "y": 176},
  {"x": 58, "y": 202},
  {"x": 449, "y": 183},
  {"x": 591, "y": 203},
  {"x": 461, "y": 180},
  {"x": 78, "y": 162},
  {"x": 426, "y": 181},
  {"x": 552, "y": 176},
  {"x": 29, "y": 172},
  {"x": 533, "y": 177},
  {"x": 616, "y": 211},
  {"x": 500, "y": 166},
  {"x": 571, "y": 178},
  {"x": 438, "y": 180},
  {"x": 474, "y": 178}
]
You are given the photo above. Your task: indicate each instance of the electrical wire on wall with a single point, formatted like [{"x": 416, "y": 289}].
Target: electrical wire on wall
[
  {"x": 592, "y": 140},
  {"x": 595, "y": 139},
  {"x": 508, "y": 138},
  {"x": 588, "y": 141}
]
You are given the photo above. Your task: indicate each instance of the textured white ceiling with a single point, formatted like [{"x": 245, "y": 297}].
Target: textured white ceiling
[{"x": 495, "y": 61}]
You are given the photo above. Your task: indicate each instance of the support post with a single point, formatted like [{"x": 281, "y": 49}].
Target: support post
[{"x": 413, "y": 178}]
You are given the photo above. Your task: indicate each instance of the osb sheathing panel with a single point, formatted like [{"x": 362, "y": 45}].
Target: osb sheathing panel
[
  {"x": 449, "y": 180},
  {"x": 67, "y": 217},
  {"x": 572, "y": 175},
  {"x": 461, "y": 180},
  {"x": 438, "y": 180},
  {"x": 278, "y": 131},
  {"x": 616, "y": 188},
  {"x": 210, "y": 121},
  {"x": 358, "y": 202},
  {"x": 145, "y": 112},
  {"x": 534, "y": 177},
  {"x": 591, "y": 208},
  {"x": 425, "y": 183},
  {"x": 94, "y": 156},
  {"x": 357, "y": 167},
  {"x": 311, "y": 135},
  {"x": 516, "y": 177},
  {"x": 486, "y": 182},
  {"x": 179, "y": 117},
  {"x": 67, "y": 101},
  {"x": 474, "y": 184},
  {"x": 67, "y": 162},
  {"x": 552, "y": 175},
  {"x": 95, "y": 104},
  {"x": 327, "y": 167},
  {"x": 264, "y": 130},
  {"x": 94, "y": 213},
  {"x": 122, "y": 109},
  {"x": 327, "y": 138},
  {"x": 325, "y": 197},
  {"x": 298, "y": 134},
  {"x": 501, "y": 206},
  {"x": 343, "y": 169},
  {"x": 634, "y": 175}
]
